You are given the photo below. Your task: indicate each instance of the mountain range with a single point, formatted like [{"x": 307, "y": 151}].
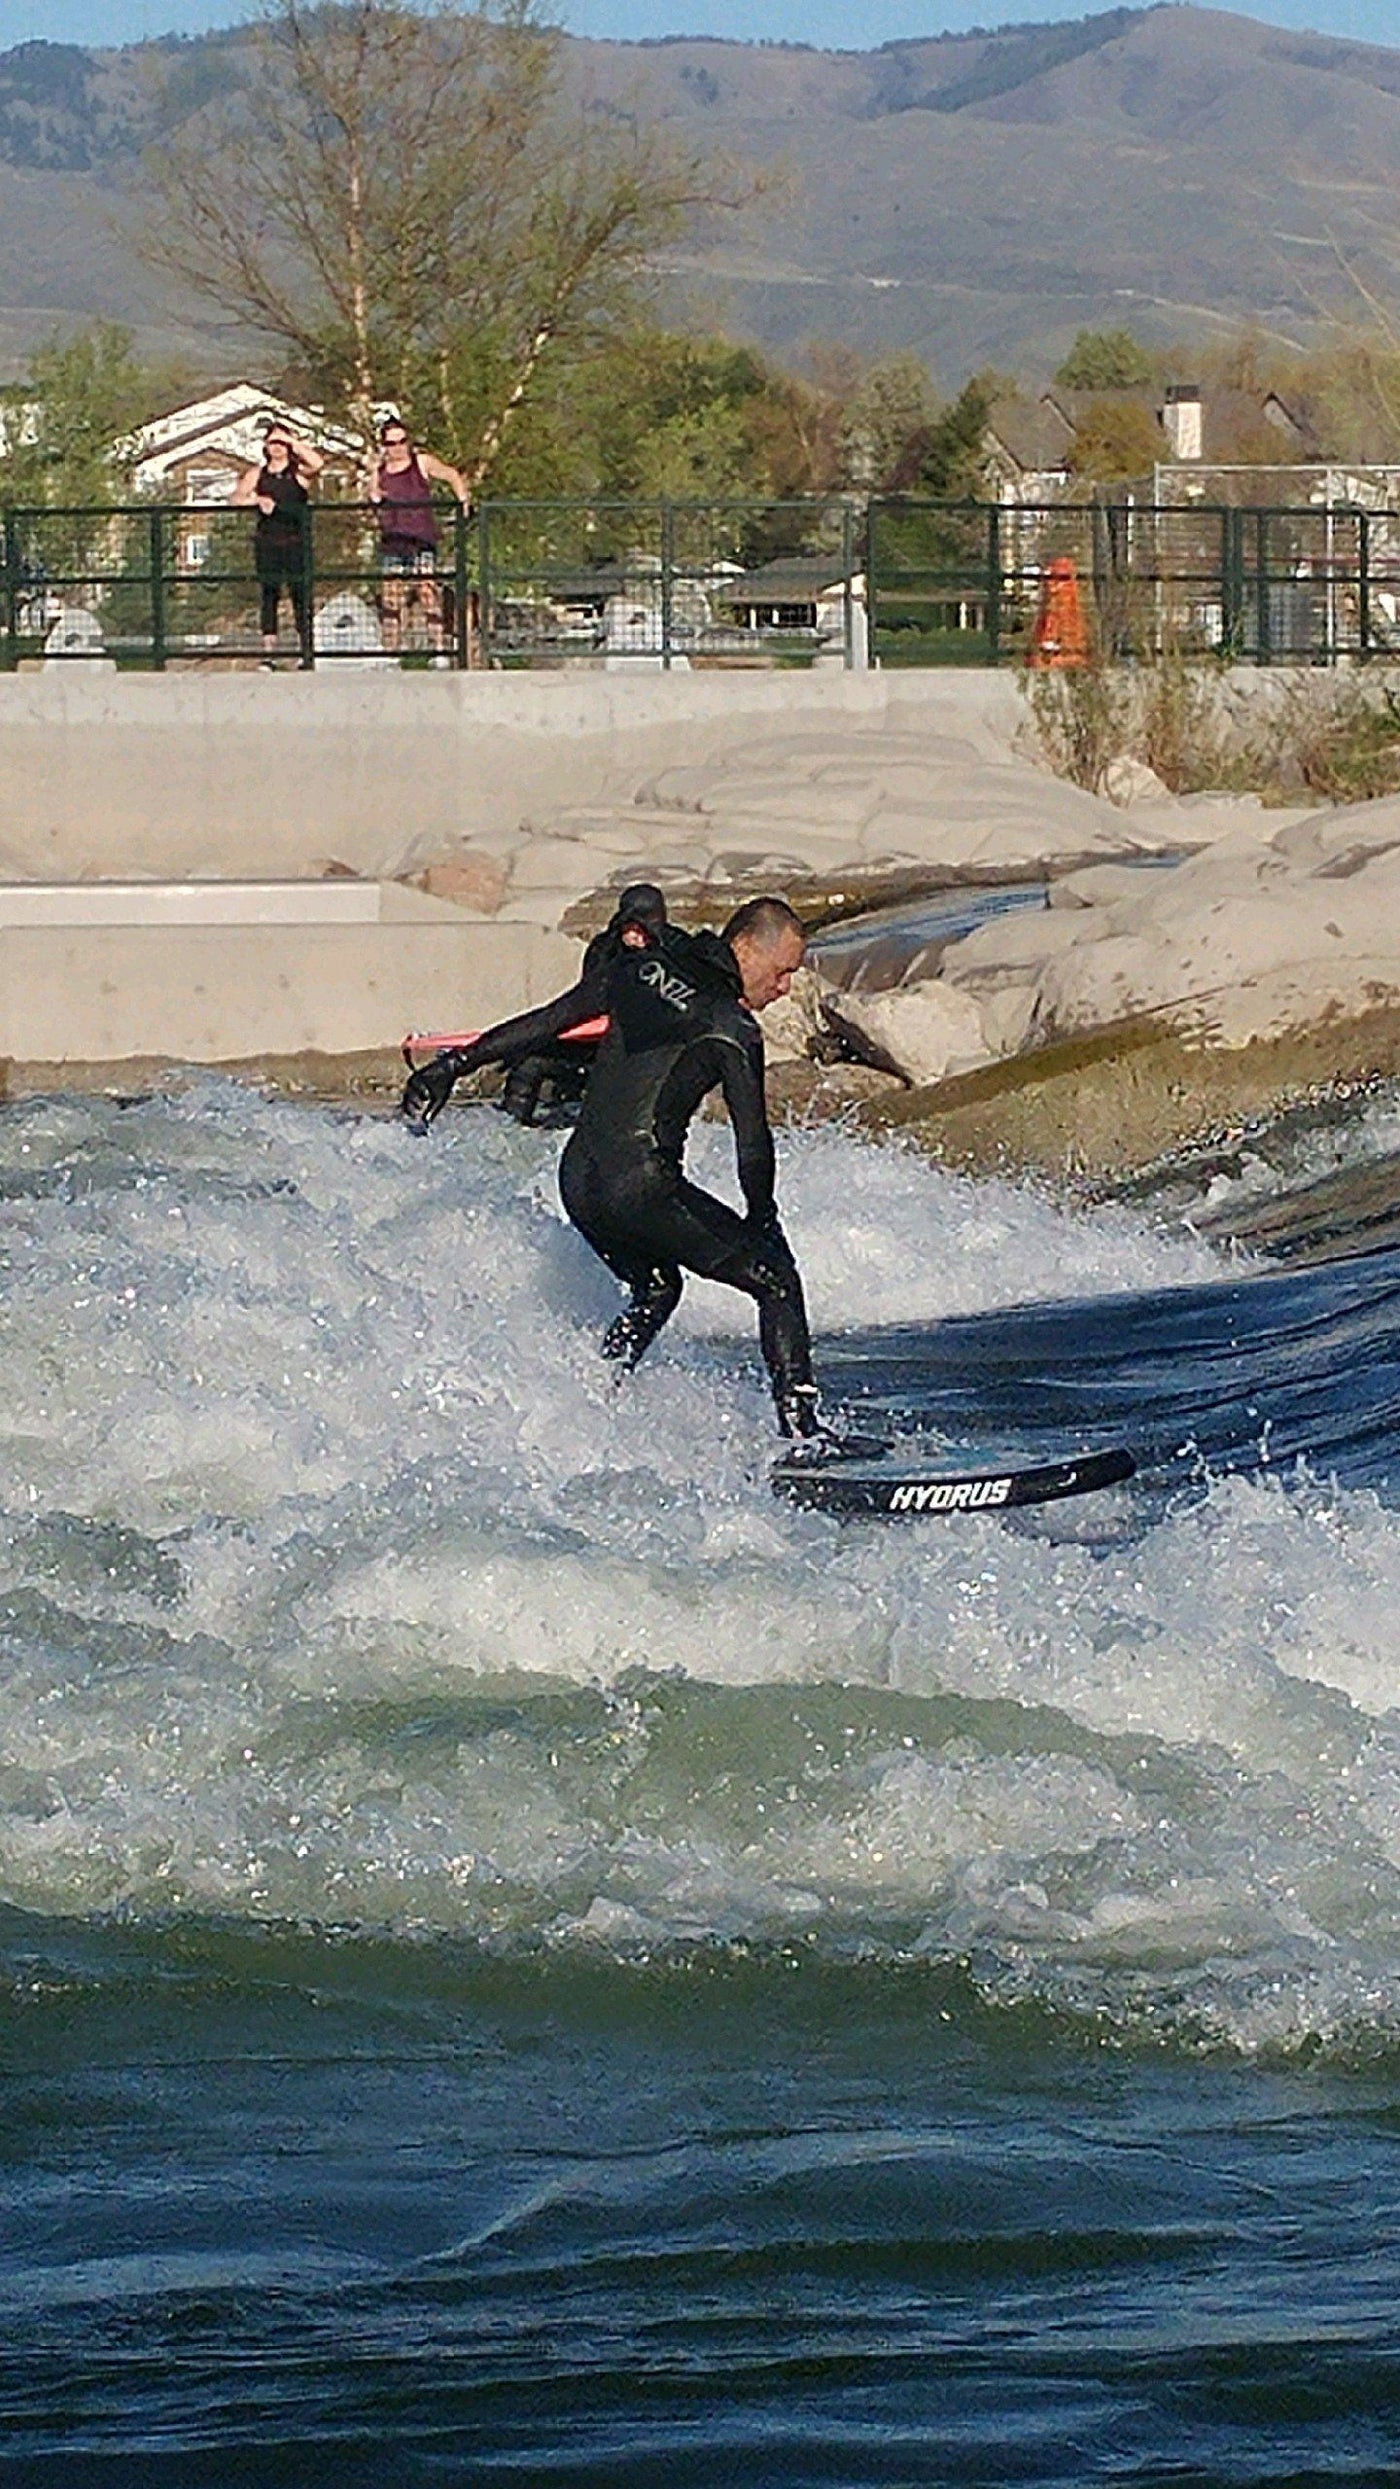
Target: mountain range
[{"x": 977, "y": 198}]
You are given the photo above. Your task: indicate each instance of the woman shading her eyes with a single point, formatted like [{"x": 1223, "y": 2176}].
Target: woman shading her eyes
[{"x": 277, "y": 489}]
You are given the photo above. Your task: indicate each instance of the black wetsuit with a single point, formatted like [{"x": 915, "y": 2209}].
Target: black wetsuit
[
  {"x": 678, "y": 1029},
  {"x": 561, "y": 1067}
]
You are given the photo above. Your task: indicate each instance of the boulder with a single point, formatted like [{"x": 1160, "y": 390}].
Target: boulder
[
  {"x": 793, "y": 1027},
  {"x": 470, "y": 881},
  {"x": 1256, "y": 937},
  {"x": 1130, "y": 781},
  {"x": 924, "y": 1032}
]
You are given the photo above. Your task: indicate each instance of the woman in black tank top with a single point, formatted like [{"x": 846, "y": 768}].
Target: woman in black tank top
[{"x": 277, "y": 491}]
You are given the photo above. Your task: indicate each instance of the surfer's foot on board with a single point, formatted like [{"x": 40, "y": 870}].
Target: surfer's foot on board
[
  {"x": 801, "y": 1420},
  {"x": 798, "y": 1413},
  {"x": 816, "y": 1437}
]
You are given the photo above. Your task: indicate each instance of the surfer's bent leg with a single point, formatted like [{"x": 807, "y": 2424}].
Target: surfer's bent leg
[
  {"x": 706, "y": 1236},
  {"x": 624, "y": 1243},
  {"x": 648, "y": 1233}
]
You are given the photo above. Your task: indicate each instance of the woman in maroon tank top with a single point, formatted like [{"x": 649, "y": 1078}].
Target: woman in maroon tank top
[{"x": 401, "y": 487}]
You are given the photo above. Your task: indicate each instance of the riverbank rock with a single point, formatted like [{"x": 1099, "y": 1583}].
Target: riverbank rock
[
  {"x": 924, "y": 1032},
  {"x": 1129, "y": 781},
  {"x": 1255, "y": 937}
]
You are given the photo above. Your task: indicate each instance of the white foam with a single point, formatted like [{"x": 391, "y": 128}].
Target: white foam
[{"x": 340, "y": 1580}]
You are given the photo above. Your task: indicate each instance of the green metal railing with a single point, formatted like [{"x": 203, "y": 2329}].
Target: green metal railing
[
  {"x": 611, "y": 583},
  {"x": 516, "y": 583},
  {"x": 962, "y": 583}
]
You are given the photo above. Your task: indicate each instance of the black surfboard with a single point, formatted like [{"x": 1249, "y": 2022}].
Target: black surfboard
[{"x": 942, "y": 1487}]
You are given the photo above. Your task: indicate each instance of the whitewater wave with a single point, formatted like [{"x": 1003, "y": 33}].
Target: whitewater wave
[{"x": 339, "y": 1582}]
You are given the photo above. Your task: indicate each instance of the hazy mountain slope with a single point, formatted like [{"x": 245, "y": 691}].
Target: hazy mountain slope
[{"x": 976, "y": 197}]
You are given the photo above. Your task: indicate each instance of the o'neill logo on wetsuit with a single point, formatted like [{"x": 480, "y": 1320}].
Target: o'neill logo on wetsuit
[
  {"x": 950, "y": 1495},
  {"x": 672, "y": 990}
]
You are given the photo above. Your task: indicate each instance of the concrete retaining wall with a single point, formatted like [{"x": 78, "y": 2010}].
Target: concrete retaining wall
[
  {"x": 172, "y": 785},
  {"x": 218, "y": 992},
  {"x": 236, "y": 775}
]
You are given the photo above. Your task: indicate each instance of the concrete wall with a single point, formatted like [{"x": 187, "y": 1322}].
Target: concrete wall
[
  {"x": 236, "y": 775},
  {"x": 189, "y": 778},
  {"x": 218, "y": 993}
]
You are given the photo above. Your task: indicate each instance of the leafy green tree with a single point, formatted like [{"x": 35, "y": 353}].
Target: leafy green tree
[
  {"x": 893, "y": 402},
  {"x": 74, "y": 418},
  {"x": 1352, "y": 391},
  {"x": 71, "y": 424},
  {"x": 700, "y": 457},
  {"x": 409, "y": 202},
  {"x": 1117, "y": 440},
  {"x": 1105, "y": 358},
  {"x": 953, "y": 454}
]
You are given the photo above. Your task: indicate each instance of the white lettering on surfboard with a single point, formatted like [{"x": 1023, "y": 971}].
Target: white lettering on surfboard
[{"x": 948, "y": 1494}]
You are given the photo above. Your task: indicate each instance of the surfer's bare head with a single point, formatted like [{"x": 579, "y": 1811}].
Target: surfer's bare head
[{"x": 769, "y": 943}]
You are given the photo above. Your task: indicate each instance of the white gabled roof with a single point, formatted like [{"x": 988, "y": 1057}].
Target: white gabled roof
[{"x": 231, "y": 424}]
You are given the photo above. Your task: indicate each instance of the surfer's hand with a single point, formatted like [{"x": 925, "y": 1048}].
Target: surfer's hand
[
  {"x": 770, "y": 1244},
  {"x": 427, "y": 1090},
  {"x": 766, "y": 1228}
]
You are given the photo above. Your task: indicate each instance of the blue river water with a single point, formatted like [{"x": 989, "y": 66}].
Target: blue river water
[{"x": 521, "y": 1957}]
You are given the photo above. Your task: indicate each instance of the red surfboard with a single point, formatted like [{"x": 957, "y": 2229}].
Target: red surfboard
[{"x": 438, "y": 1040}]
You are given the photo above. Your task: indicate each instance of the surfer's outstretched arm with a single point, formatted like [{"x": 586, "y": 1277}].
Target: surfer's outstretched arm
[{"x": 427, "y": 1090}]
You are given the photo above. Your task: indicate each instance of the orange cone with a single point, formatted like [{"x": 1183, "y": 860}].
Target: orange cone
[{"x": 1061, "y": 634}]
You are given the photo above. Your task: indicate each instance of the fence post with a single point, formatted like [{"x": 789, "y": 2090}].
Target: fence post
[
  {"x": 1263, "y": 636},
  {"x": 308, "y": 589},
  {"x": 157, "y": 525},
  {"x": 1099, "y": 573},
  {"x": 483, "y": 582},
  {"x": 12, "y": 587},
  {"x": 668, "y": 570},
  {"x": 461, "y": 627},
  {"x": 1363, "y": 583},
  {"x": 848, "y": 558},
  {"x": 871, "y": 519},
  {"x": 994, "y": 581}
]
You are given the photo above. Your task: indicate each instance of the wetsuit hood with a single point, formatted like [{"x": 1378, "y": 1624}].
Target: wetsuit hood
[{"x": 641, "y": 904}]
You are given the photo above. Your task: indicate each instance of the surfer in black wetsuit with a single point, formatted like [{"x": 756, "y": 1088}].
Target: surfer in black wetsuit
[
  {"x": 680, "y": 1010},
  {"x": 562, "y": 1067},
  {"x": 532, "y": 1055}
]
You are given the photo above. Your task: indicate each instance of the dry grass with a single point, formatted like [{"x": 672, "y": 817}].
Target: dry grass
[{"x": 1332, "y": 736}]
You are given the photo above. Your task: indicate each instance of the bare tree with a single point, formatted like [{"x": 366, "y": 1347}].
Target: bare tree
[{"x": 412, "y": 204}]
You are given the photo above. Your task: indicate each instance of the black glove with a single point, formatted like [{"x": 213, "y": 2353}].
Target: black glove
[{"x": 427, "y": 1090}]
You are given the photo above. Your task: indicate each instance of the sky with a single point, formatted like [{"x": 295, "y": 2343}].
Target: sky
[{"x": 853, "y": 24}]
